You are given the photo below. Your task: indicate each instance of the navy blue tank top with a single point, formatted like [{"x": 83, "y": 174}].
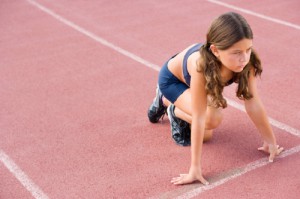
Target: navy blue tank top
[{"x": 186, "y": 74}]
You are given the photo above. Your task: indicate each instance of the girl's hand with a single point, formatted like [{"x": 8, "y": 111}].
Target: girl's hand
[
  {"x": 195, "y": 174},
  {"x": 272, "y": 149}
]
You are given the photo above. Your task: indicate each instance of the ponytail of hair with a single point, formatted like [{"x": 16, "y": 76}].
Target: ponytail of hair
[
  {"x": 210, "y": 66},
  {"x": 243, "y": 77}
]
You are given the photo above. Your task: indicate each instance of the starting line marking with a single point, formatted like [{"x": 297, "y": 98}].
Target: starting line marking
[
  {"x": 285, "y": 23},
  {"x": 35, "y": 191},
  {"x": 249, "y": 167},
  {"x": 38, "y": 193}
]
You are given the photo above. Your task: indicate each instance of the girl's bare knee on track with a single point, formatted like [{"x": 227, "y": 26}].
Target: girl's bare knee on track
[{"x": 214, "y": 118}]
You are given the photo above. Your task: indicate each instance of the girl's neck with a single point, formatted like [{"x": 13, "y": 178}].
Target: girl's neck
[{"x": 226, "y": 74}]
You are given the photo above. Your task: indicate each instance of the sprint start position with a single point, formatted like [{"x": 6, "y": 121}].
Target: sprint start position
[{"x": 191, "y": 83}]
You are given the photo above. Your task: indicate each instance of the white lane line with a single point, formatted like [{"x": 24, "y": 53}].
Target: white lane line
[
  {"x": 94, "y": 37},
  {"x": 249, "y": 167},
  {"x": 272, "y": 121},
  {"x": 285, "y": 23},
  {"x": 35, "y": 191}
]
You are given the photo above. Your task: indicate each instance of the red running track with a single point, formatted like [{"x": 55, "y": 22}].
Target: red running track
[{"x": 73, "y": 111}]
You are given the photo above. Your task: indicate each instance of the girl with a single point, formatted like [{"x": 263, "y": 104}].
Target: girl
[{"x": 191, "y": 83}]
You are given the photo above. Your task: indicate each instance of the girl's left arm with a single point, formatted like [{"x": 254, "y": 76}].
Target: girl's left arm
[{"x": 256, "y": 111}]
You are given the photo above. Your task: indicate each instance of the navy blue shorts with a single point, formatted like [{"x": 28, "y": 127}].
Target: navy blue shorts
[{"x": 171, "y": 87}]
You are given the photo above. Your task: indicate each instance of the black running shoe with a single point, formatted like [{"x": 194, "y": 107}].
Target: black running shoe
[
  {"x": 180, "y": 129},
  {"x": 157, "y": 109}
]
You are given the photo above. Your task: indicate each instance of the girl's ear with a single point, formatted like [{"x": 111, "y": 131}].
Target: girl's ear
[{"x": 214, "y": 50}]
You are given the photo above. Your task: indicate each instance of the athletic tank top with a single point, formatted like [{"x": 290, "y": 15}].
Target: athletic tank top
[{"x": 186, "y": 74}]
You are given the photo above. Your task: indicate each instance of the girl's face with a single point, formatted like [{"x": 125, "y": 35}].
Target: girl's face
[{"x": 236, "y": 57}]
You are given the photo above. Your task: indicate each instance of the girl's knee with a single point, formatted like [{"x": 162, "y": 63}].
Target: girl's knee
[
  {"x": 214, "y": 119},
  {"x": 212, "y": 124}
]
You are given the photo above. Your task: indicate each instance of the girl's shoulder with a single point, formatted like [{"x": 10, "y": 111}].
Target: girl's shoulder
[
  {"x": 193, "y": 47},
  {"x": 180, "y": 56}
]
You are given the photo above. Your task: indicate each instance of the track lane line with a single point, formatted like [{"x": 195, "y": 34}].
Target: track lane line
[
  {"x": 35, "y": 191},
  {"x": 272, "y": 121},
  {"x": 93, "y": 36},
  {"x": 272, "y": 19}
]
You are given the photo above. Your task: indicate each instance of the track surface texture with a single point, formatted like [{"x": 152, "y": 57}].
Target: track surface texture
[{"x": 77, "y": 78}]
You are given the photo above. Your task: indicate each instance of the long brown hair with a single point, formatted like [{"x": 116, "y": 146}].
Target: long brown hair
[{"x": 225, "y": 31}]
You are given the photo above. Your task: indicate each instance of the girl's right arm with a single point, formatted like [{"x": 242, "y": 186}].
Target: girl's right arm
[{"x": 199, "y": 104}]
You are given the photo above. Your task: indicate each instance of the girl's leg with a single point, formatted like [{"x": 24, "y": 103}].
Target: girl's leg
[
  {"x": 183, "y": 111},
  {"x": 179, "y": 113}
]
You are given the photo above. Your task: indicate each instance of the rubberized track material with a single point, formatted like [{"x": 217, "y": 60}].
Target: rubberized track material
[{"x": 77, "y": 78}]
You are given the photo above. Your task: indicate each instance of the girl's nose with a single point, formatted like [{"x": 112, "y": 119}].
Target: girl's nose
[{"x": 243, "y": 57}]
